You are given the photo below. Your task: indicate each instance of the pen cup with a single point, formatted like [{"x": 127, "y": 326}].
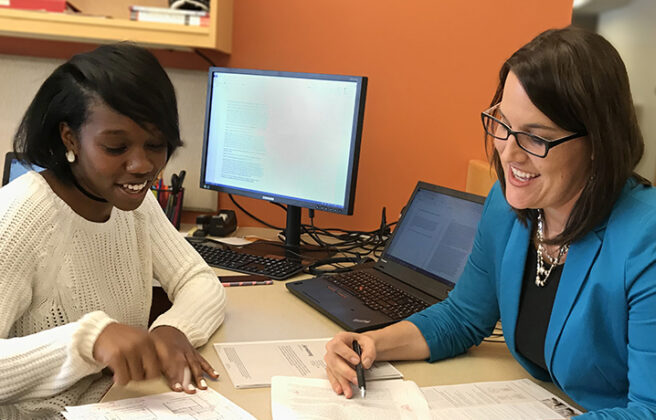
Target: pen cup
[{"x": 171, "y": 203}]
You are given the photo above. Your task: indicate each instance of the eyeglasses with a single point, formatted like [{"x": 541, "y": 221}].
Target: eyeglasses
[{"x": 530, "y": 143}]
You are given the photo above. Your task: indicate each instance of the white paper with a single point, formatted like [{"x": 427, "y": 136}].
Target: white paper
[
  {"x": 228, "y": 240},
  {"x": 252, "y": 364},
  {"x": 303, "y": 398},
  {"x": 203, "y": 405},
  {"x": 509, "y": 400},
  {"x": 233, "y": 240}
]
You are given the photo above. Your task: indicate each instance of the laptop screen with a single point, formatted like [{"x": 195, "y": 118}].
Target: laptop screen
[
  {"x": 14, "y": 168},
  {"x": 447, "y": 223}
]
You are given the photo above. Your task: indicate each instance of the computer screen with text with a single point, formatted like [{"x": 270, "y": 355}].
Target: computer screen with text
[{"x": 291, "y": 138}]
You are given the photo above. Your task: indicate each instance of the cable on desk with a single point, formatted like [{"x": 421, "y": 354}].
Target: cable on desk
[{"x": 354, "y": 243}]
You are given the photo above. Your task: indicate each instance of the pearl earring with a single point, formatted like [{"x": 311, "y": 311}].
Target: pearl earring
[{"x": 70, "y": 156}]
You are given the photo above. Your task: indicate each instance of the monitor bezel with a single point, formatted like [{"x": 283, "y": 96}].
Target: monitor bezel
[
  {"x": 347, "y": 206},
  {"x": 9, "y": 158}
]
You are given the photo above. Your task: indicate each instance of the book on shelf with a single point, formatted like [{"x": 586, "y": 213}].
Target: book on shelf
[
  {"x": 166, "y": 15},
  {"x": 45, "y": 5}
]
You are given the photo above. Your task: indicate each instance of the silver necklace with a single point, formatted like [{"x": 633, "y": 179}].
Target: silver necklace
[{"x": 542, "y": 273}]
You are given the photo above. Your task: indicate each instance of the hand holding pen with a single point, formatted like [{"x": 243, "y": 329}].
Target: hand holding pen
[{"x": 342, "y": 359}]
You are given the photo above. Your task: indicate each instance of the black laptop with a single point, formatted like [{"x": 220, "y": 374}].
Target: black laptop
[
  {"x": 421, "y": 263},
  {"x": 14, "y": 168}
]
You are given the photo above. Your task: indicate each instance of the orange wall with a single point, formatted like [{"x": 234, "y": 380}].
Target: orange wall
[{"x": 432, "y": 68}]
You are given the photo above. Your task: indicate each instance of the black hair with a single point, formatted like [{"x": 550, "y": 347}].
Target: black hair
[
  {"x": 578, "y": 80},
  {"x": 126, "y": 77}
]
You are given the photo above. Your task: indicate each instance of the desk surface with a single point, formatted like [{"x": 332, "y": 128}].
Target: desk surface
[{"x": 272, "y": 313}]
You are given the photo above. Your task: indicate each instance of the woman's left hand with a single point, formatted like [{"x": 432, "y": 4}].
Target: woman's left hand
[{"x": 182, "y": 365}]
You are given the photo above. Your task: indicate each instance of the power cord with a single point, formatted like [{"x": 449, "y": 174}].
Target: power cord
[
  {"x": 249, "y": 214},
  {"x": 348, "y": 243},
  {"x": 204, "y": 57}
]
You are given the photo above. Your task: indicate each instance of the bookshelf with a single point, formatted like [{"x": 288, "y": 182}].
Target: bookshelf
[{"x": 71, "y": 27}]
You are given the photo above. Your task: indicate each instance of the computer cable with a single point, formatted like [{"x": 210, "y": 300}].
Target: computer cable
[
  {"x": 353, "y": 243},
  {"x": 251, "y": 215},
  {"x": 204, "y": 57}
]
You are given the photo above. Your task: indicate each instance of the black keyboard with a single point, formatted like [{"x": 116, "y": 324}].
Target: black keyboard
[
  {"x": 218, "y": 256},
  {"x": 379, "y": 295}
]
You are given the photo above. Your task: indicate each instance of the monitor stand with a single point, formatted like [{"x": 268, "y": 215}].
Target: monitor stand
[{"x": 292, "y": 247}]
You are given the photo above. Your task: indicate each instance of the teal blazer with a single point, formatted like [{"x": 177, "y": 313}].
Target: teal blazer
[{"x": 600, "y": 346}]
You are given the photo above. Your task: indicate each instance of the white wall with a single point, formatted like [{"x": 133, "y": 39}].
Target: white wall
[
  {"x": 632, "y": 31},
  {"x": 20, "y": 78}
]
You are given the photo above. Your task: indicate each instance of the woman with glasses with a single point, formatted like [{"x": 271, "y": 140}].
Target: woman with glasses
[{"x": 565, "y": 254}]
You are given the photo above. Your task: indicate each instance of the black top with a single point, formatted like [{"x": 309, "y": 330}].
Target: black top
[{"x": 535, "y": 307}]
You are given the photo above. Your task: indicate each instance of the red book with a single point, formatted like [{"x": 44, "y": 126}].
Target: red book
[{"x": 46, "y": 5}]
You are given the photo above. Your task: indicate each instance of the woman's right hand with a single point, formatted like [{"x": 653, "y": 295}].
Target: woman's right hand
[
  {"x": 129, "y": 352},
  {"x": 340, "y": 360}
]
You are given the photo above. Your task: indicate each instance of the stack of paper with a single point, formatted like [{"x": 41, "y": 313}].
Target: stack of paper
[
  {"x": 511, "y": 400},
  {"x": 302, "y": 398},
  {"x": 206, "y": 405},
  {"x": 308, "y": 398},
  {"x": 252, "y": 364}
]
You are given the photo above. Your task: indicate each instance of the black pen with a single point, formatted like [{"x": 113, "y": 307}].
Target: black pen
[{"x": 359, "y": 370}]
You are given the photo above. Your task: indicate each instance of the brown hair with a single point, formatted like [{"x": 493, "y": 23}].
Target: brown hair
[{"x": 578, "y": 80}]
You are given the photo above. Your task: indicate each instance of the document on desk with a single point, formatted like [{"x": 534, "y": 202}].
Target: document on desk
[
  {"x": 310, "y": 398},
  {"x": 203, "y": 405},
  {"x": 252, "y": 364},
  {"x": 508, "y": 400}
]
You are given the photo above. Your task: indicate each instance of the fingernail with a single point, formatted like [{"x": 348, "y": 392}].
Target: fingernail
[
  {"x": 366, "y": 361},
  {"x": 354, "y": 360},
  {"x": 203, "y": 383},
  {"x": 177, "y": 387},
  {"x": 191, "y": 387},
  {"x": 216, "y": 373}
]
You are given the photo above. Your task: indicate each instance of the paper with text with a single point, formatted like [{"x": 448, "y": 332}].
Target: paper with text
[
  {"x": 309, "y": 398},
  {"x": 509, "y": 400},
  {"x": 252, "y": 364},
  {"x": 203, "y": 405}
]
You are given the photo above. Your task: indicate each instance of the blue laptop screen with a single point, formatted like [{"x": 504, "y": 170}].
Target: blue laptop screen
[{"x": 436, "y": 235}]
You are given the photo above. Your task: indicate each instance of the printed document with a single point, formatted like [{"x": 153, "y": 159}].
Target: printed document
[
  {"x": 309, "y": 398},
  {"x": 252, "y": 364},
  {"x": 509, "y": 400},
  {"x": 203, "y": 405}
]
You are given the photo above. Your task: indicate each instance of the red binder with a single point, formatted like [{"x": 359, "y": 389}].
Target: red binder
[{"x": 46, "y": 5}]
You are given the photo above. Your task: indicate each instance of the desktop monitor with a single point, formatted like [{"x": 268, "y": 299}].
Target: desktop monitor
[
  {"x": 290, "y": 138},
  {"x": 15, "y": 168}
]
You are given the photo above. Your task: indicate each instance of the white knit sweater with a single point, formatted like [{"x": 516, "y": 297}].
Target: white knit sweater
[{"x": 64, "y": 278}]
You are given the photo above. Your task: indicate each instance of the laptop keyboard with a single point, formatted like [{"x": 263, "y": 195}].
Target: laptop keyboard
[
  {"x": 275, "y": 268},
  {"x": 379, "y": 295}
]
